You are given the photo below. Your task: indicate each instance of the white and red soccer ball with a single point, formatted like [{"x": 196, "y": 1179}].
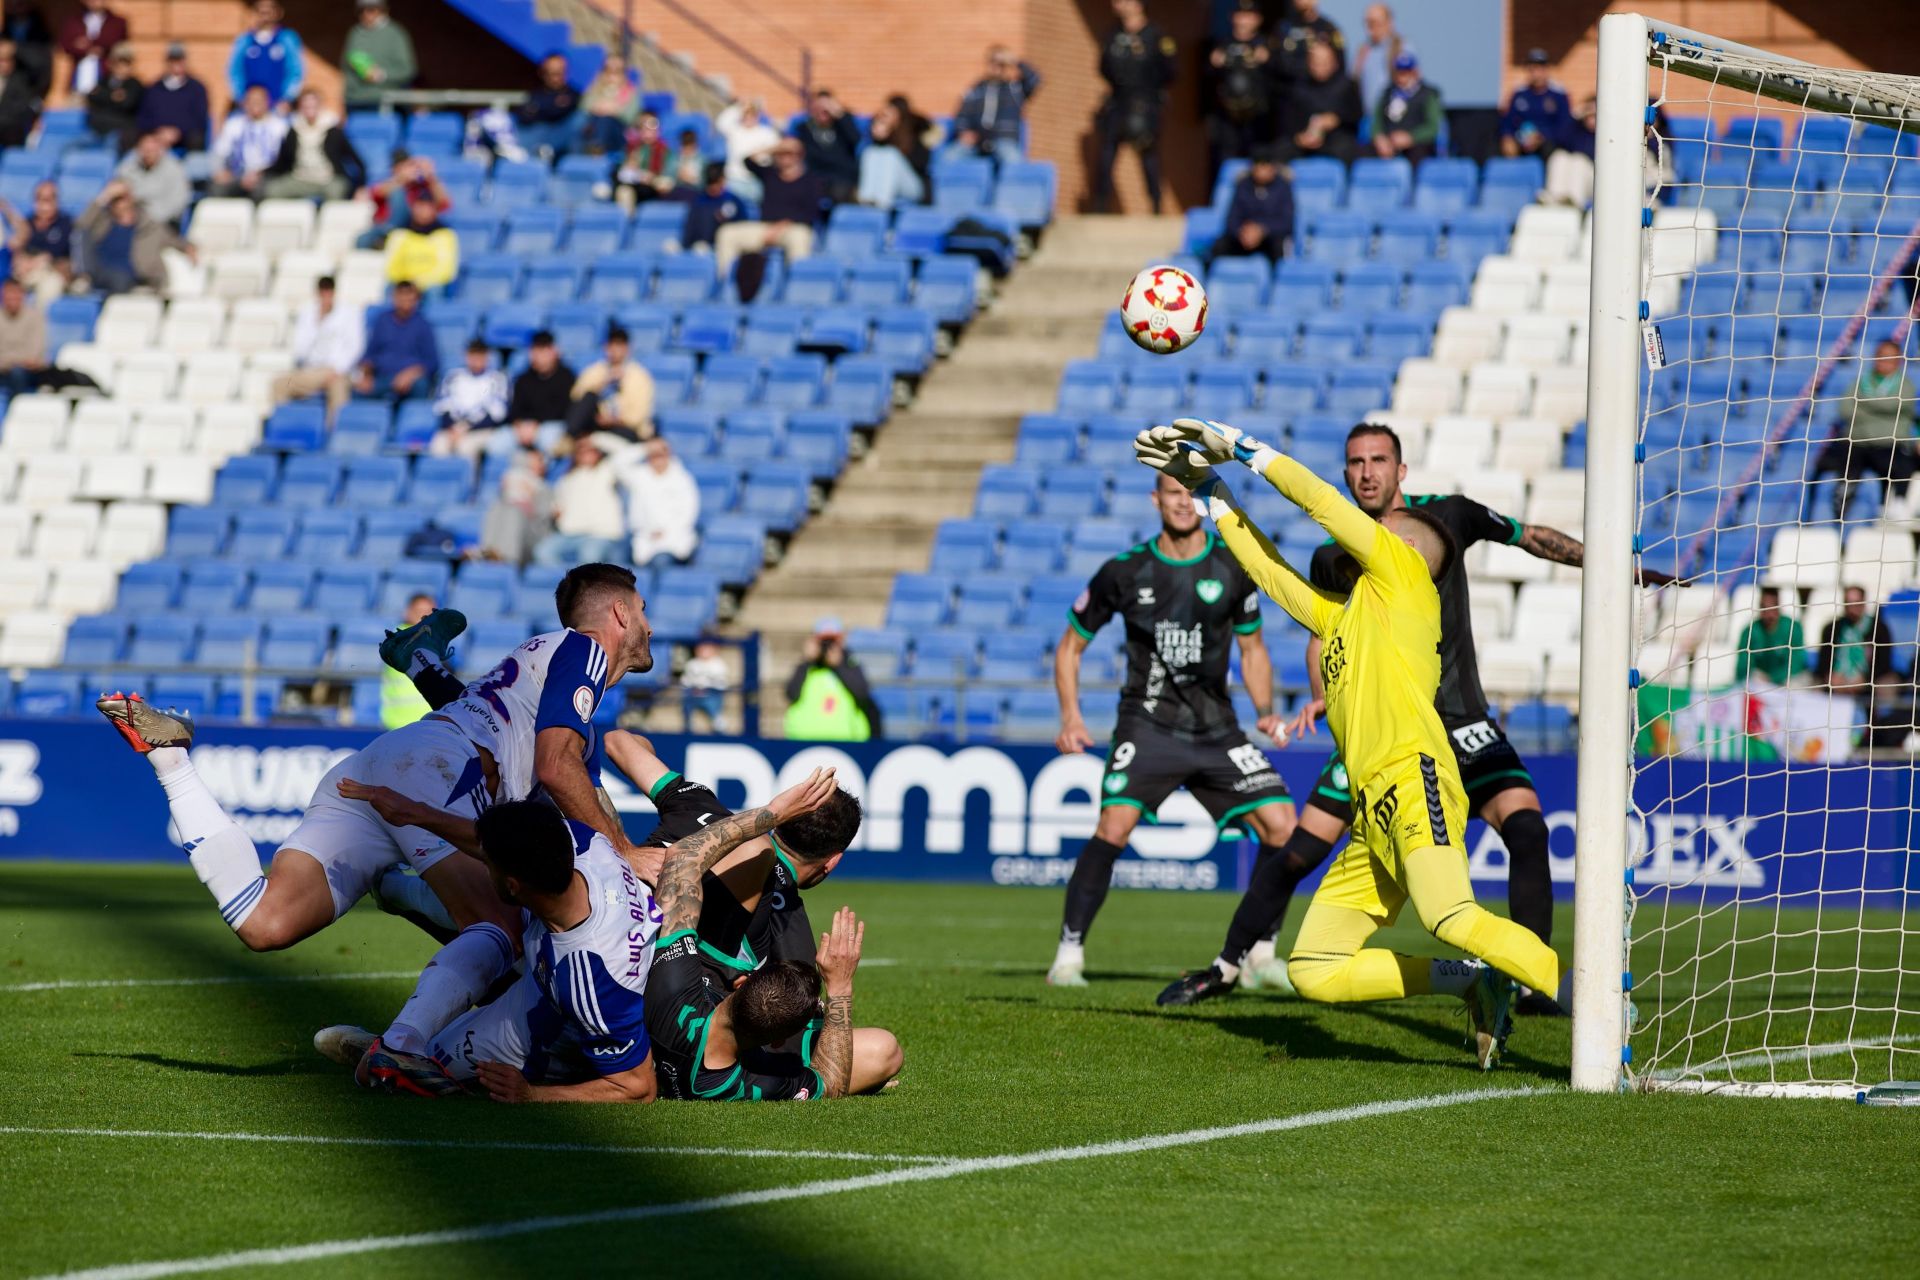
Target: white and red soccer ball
[{"x": 1164, "y": 310}]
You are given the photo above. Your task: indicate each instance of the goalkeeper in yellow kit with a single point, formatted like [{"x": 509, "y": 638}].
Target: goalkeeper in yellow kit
[{"x": 1380, "y": 662}]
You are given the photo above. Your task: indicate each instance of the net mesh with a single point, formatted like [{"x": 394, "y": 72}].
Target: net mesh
[{"x": 1774, "y": 939}]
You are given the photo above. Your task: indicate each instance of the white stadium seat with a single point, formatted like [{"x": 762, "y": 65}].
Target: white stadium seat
[
  {"x": 163, "y": 430},
  {"x": 1546, "y": 234},
  {"x": 146, "y": 377},
  {"x": 129, "y": 320},
  {"x": 90, "y": 358},
  {"x": 1505, "y": 563},
  {"x": 1490, "y": 605},
  {"x": 48, "y": 480},
  {"x": 362, "y": 279},
  {"x": 280, "y": 225},
  {"x": 221, "y": 224},
  {"x": 1504, "y": 491},
  {"x": 1426, "y": 389},
  {"x": 1528, "y": 446},
  {"x": 133, "y": 531},
  {"x": 238, "y": 273},
  {"x": 1548, "y": 612},
  {"x": 1512, "y": 668},
  {"x": 1803, "y": 556},
  {"x": 1536, "y": 342},
  {"x": 83, "y": 587},
  {"x": 1430, "y": 479},
  {"x": 1505, "y": 287},
  {"x": 193, "y": 324},
  {"x": 294, "y": 275},
  {"x": 30, "y": 638},
  {"x": 123, "y": 476},
  {"x": 1498, "y": 391},
  {"x": 99, "y": 428},
  {"x": 35, "y": 424},
  {"x": 1461, "y": 442},
  {"x": 23, "y": 584},
  {"x": 211, "y": 377},
  {"x": 66, "y": 531},
  {"x": 1466, "y": 337},
  {"x": 1560, "y": 395},
  {"x": 15, "y": 524},
  {"x": 227, "y": 429},
  {"x": 341, "y": 223},
  {"x": 1878, "y": 560},
  {"x": 1566, "y": 290},
  {"x": 257, "y": 324},
  {"x": 185, "y": 480},
  {"x": 1563, "y": 673}
]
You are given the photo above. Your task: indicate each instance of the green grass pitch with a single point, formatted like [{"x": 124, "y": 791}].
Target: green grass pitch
[{"x": 998, "y": 1064}]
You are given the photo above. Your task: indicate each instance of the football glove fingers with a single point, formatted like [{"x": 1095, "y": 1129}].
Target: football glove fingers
[{"x": 1218, "y": 441}]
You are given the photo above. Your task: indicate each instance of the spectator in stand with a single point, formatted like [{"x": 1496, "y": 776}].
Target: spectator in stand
[
  {"x": 425, "y": 251},
  {"x": 831, "y": 142},
  {"x": 545, "y": 123},
  {"x": 1374, "y": 58},
  {"x": 704, "y": 682},
  {"x": 1298, "y": 32},
  {"x": 644, "y": 172},
  {"x": 413, "y": 179},
  {"x": 401, "y": 703},
  {"x": 156, "y": 177},
  {"x": 42, "y": 245},
  {"x": 541, "y": 399},
  {"x": 176, "y": 105},
  {"x": 316, "y": 162},
  {"x": 1771, "y": 646},
  {"x": 689, "y": 164},
  {"x": 588, "y": 524},
  {"x": 1856, "y": 650},
  {"x": 988, "y": 121},
  {"x": 113, "y": 107},
  {"x": 1407, "y": 119},
  {"x": 23, "y": 340},
  {"x": 613, "y": 395},
  {"x": 88, "y": 36},
  {"x": 19, "y": 104},
  {"x": 609, "y": 105},
  {"x": 828, "y": 698},
  {"x": 248, "y": 144},
  {"x": 895, "y": 167},
  {"x": 401, "y": 359},
  {"x": 793, "y": 201},
  {"x": 1874, "y": 430},
  {"x": 379, "y": 56},
  {"x": 663, "y": 504},
  {"x": 1538, "y": 114},
  {"x": 21, "y": 22},
  {"x": 1138, "y": 63},
  {"x": 1260, "y": 216},
  {"x": 747, "y": 133},
  {"x": 123, "y": 246},
  {"x": 267, "y": 56},
  {"x": 328, "y": 340},
  {"x": 1244, "y": 79},
  {"x": 1323, "y": 112},
  {"x": 1570, "y": 167},
  {"x": 711, "y": 209},
  {"x": 522, "y": 512},
  {"x": 471, "y": 404}
]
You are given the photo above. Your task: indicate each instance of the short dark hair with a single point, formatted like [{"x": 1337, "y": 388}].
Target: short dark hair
[
  {"x": 325, "y": 282},
  {"x": 530, "y": 841},
  {"x": 776, "y": 1000},
  {"x": 480, "y": 345},
  {"x": 418, "y": 596},
  {"x": 1769, "y": 591},
  {"x": 586, "y": 584},
  {"x": 617, "y": 334},
  {"x": 398, "y": 285},
  {"x": 817, "y": 836},
  {"x": 1377, "y": 429},
  {"x": 541, "y": 338}
]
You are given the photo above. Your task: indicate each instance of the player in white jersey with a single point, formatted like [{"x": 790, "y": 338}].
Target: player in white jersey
[
  {"x": 572, "y": 1029},
  {"x": 530, "y": 722}
]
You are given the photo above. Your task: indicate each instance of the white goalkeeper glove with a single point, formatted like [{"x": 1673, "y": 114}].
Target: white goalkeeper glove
[
  {"x": 1216, "y": 441},
  {"x": 1167, "y": 452}
]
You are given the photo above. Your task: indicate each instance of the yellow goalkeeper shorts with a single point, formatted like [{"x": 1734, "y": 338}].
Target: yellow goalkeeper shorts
[{"x": 1418, "y": 805}]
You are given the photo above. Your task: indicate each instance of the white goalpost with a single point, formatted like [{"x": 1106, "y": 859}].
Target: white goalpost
[{"x": 1747, "y": 885}]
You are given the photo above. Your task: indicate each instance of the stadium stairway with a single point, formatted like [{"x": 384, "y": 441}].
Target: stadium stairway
[
  {"x": 925, "y": 465},
  {"x": 659, "y": 70}
]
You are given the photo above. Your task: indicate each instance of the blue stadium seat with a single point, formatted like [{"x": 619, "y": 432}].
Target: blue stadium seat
[
  {"x": 309, "y": 480},
  {"x": 772, "y": 329},
  {"x": 260, "y": 533},
  {"x": 439, "y": 482},
  {"x": 161, "y": 640},
  {"x": 881, "y": 283},
  {"x": 1005, "y": 491},
  {"x": 1300, "y": 287},
  {"x": 1264, "y": 339},
  {"x": 297, "y": 427},
  {"x": 294, "y": 643},
  {"x": 1088, "y": 386},
  {"x": 989, "y": 601},
  {"x": 656, "y": 225},
  {"x": 881, "y": 652},
  {"x": 1434, "y": 286},
  {"x": 1359, "y": 388},
  {"x": 210, "y": 586},
  {"x": 409, "y": 578},
  {"x": 228, "y": 643},
  {"x": 862, "y": 388},
  {"x": 728, "y": 382},
  {"x": 1473, "y": 236},
  {"x": 384, "y": 539},
  {"x": 919, "y": 601},
  {"x": 148, "y": 587},
  {"x": 1446, "y": 185},
  {"x": 280, "y": 588},
  {"x": 620, "y": 278},
  {"x": 1220, "y": 390},
  {"x": 96, "y": 641},
  {"x": 964, "y": 546},
  {"x": 48, "y": 695},
  {"x": 346, "y": 590},
  {"x": 1407, "y": 238},
  {"x": 778, "y": 494},
  {"x": 920, "y": 232},
  {"x": 814, "y": 282},
  {"x": 905, "y": 337},
  {"x": 943, "y": 654},
  {"x": 533, "y": 232},
  {"x": 710, "y": 328},
  {"x": 1156, "y": 390},
  {"x": 1329, "y": 336},
  {"x": 594, "y": 231},
  {"x": 1378, "y": 183},
  {"x": 373, "y": 482},
  {"x": 1294, "y": 389},
  {"x": 683, "y": 280},
  {"x": 794, "y": 382},
  {"x": 198, "y": 531},
  {"x": 490, "y": 281},
  {"x": 517, "y": 183},
  {"x": 946, "y": 286},
  {"x": 1399, "y": 337},
  {"x": 550, "y": 282},
  {"x": 1337, "y": 238},
  {"x": 1034, "y": 546},
  {"x": 193, "y": 695},
  {"x": 1048, "y": 439},
  {"x": 575, "y": 179},
  {"x": 1074, "y": 493},
  {"x": 1026, "y": 192},
  {"x": 1204, "y": 225},
  {"x": 855, "y": 233}
]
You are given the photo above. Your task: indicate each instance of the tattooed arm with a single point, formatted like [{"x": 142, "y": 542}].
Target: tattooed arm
[
  {"x": 839, "y": 957},
  {"x": 1551, "y": 544},
  {"x": 678, "y": 890}
]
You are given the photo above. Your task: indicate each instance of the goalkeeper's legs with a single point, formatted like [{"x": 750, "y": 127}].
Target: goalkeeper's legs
[
  {"x": 1329, "y": 964},
  {"x": 1436, "y": 880}
]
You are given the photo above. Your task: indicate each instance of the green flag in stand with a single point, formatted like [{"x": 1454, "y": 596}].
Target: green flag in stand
[{"x": 1705, "y": 725}]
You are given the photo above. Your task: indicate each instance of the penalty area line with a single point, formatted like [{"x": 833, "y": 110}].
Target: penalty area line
[
  {"x": 770, "y": 1195},
  {"x": 463, "y": 1144},
  {"x": 215, "y": 980}
]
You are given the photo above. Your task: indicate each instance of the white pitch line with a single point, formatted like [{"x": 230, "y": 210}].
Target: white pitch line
[
  {"x": 1786, "y": 1053},
  {"x": 769, "y": 1195},
  {"x": 330, "y": 1140},
  {"x": 221, "y": 980}
]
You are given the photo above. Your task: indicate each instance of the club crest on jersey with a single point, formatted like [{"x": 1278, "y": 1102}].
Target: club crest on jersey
[
  {"x": 1210, "y": 589},
  {"x": 1116, "y": 783}
]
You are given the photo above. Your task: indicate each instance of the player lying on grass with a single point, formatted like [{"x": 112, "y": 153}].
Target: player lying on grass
[
  {"x": 1380, "y": 663},
  {"x": 573, "y": 1028},
  {"x": 716, "y": 1041}
]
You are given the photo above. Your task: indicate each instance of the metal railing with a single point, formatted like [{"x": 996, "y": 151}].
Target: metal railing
[{"x": 392, "y": 100}]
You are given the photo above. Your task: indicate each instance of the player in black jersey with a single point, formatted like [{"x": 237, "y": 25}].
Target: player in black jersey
[
  {"x": 1185, "y": 602},
  {"x": 1499, "y": 788}
]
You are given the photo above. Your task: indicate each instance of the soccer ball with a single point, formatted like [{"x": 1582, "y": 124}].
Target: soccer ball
[{"x": 1164, "y": 310}]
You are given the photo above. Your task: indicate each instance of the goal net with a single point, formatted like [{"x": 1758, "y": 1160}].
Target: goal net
[{"x": 1770, "y": 895}]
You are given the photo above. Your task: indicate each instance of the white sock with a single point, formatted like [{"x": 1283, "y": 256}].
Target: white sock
[
  {"x": 1070, "y": 954},
  {"x": 1260, "y": 955},
  {"x": 424, "y": 659},
  {"x": 411, "y": 893},
  {"x": 457, "y": 976},
  {"x": 1230, "y": 972},
  {"x": 223, "y": 855},
  {"x": 1453, "y": 977}
]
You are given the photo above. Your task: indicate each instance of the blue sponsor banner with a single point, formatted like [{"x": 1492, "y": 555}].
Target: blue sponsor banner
[{"x": 1012, "y": 814}]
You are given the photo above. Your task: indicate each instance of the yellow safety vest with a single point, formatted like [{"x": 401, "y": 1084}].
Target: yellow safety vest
[{"x": 826, "y": 712}]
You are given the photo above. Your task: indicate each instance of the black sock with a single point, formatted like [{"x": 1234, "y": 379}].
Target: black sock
[
  {"x": 1087, "y": 888},
  {"x": 1529, "y": 875},
  {"x": 437, "y": 685},
  {"x": 1264, "y": 905}
]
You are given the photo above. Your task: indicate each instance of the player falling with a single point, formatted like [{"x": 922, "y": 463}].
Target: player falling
[{"x": 1380, "y": 663}]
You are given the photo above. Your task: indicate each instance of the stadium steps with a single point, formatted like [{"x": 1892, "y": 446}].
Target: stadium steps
[
  {"x": 659, "y": 70},
  {"x": 925, "y": 464}
]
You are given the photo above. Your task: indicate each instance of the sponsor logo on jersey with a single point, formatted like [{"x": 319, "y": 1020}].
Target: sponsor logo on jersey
[
  {"x": 1178, "y": 646},
  {"x": 583, "y": 702},
  {"x": 1210, "y": 590},
  {"x": 1081, "y": 601},
  {"x": 610, "y": 1050}
]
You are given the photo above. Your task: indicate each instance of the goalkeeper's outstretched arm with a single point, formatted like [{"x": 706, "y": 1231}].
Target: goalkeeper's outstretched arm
[
  {"x": 1356, "y": 532},
  {"x": 1312, "y": 608}
]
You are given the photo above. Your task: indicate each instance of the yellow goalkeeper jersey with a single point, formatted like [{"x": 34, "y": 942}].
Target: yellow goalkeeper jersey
[{"x": 1380, "y": 650}]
